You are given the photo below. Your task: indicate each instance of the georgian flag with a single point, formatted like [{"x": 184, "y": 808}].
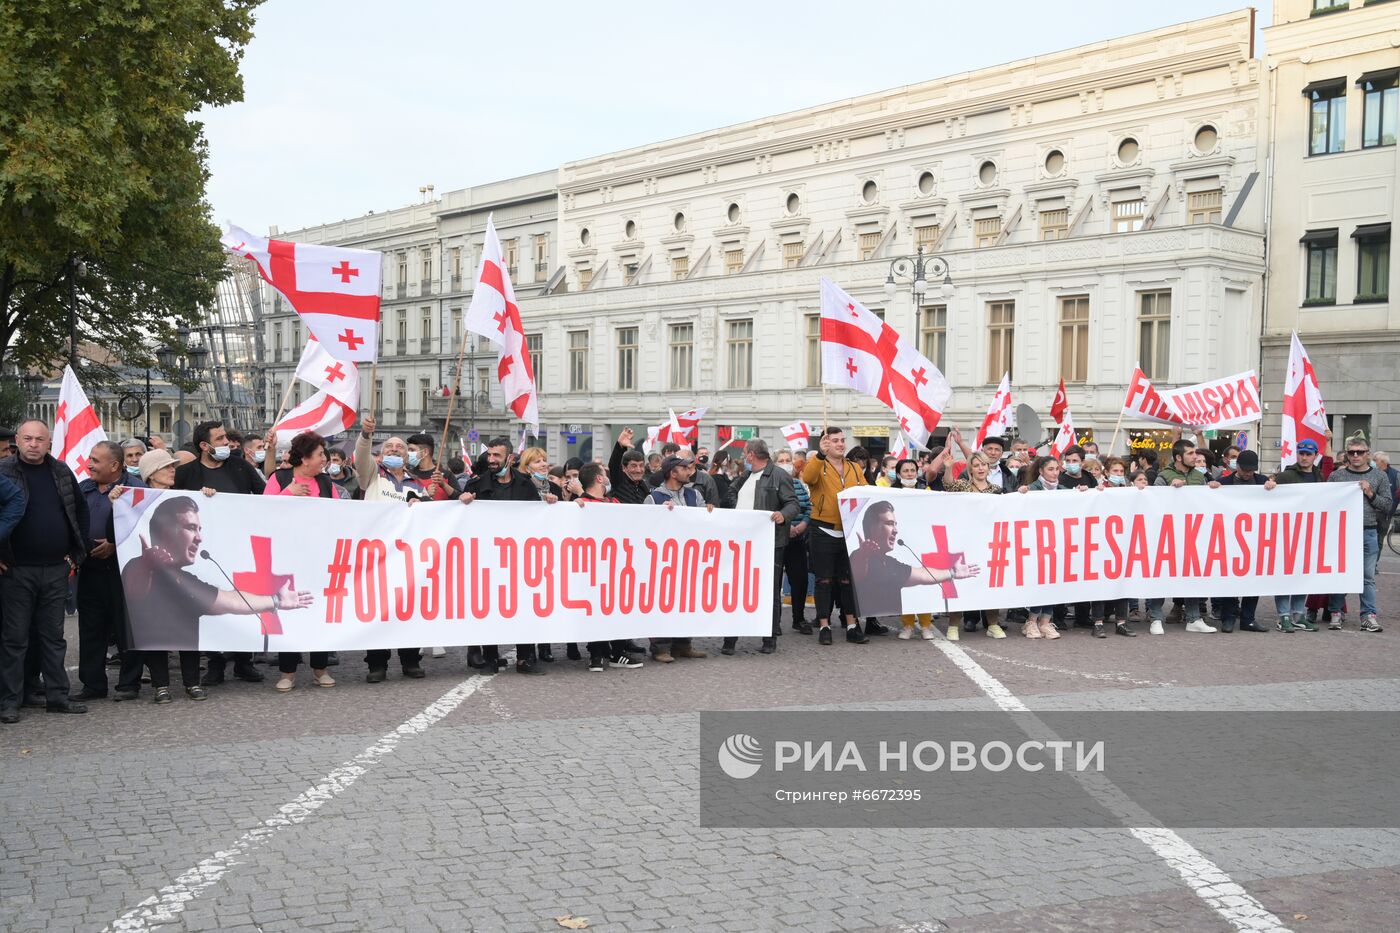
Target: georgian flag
[
  {"x": 861, "y": 352},
  {"x": 998, "y": 420},
  {"x": 1064, "y": 440},
  {"x": 76, "y": 429},
  {"x": 323, "y": 413},
  {"x": 334, "y": 289},
  {"x": 1304, "y": 414},
  {"x": 686, "y": 426},
  {"x": 797, "y": 435},
  {"x": 495, "y": 315},
  {"x": 337, "y": 378}
]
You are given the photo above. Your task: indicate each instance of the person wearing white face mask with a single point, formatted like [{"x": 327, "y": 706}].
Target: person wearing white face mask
[
  {"x": 438, "y": 483},
  {"x": 255, "y": 452},
  {"x": 1186, "y": 469},
  {"x": 342, "y": 474},
  {"x": 795, "y": 559}
]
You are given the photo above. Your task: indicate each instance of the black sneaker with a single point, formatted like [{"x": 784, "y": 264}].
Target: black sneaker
[
  {"x": 244, "y": 670},
  {"x": 69, "y": 707},
  {"x": 572, "y": 653},
  {"x": 625, "y": 661},
  {"x": 1099, "y": 631},
  {"x": 769, "y": 646},
  {"x": 727, "y": 648},
  {"x": 528, "y": 667},
  {"x": 546, "y": 654},
  {"x": 855, "y": 636},
  {"x": 595, "y": 663},
  {"x": 802, "y": 627},
  {"x": 212, "y": 677},
  {"x": 1122, "y": 629},
  {"x": 163, "y": 696},
  {"x": 475, "y": 658},
  {"x": 414, "y": 671},
  {"x": 375, "y": 676},
  {"x": 631, "y": 647},
  {"x": 85, "y": 694},
  {"x": 873, "y": 627},
  {"x": 120, "y": 695},
  {"x": 196, "y": 693},
  {"x": 825, "y": 636}
]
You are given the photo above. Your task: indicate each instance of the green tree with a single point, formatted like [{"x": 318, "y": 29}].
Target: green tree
[{"x": 103, "y": 169}]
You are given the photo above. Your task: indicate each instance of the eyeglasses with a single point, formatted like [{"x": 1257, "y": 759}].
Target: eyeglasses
[{"x": 1357, "y": 453}]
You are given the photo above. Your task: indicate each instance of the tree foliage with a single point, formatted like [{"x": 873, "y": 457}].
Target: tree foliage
[{"x": 103, "y": 169}]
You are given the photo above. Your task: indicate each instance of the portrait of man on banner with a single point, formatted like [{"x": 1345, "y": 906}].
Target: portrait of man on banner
[
  {"x": 880, "y": 576},
  {"x": 165, "y": 601}
]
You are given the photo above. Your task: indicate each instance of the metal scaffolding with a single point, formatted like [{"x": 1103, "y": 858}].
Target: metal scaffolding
[{"x": 232, "y": 331}]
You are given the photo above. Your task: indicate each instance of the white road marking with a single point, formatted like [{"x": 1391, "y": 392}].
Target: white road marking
[
  {"x": 168, "y": 903},
  {"x": 1210, "y": 882},
  {"x": 1118, "y": 677}
]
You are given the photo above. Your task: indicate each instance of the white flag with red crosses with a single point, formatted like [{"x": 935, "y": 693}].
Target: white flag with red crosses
[
  {"x": 495, "y": 315},
  {"x": 334, "y": 289},
  {"x": 76, "y": 429},
  {"x": 998, "y": 419},
  {"x": 337, "y": 378},
  {"x": 1304, "y": 414}
]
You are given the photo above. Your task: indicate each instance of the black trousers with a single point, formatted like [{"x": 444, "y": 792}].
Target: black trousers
[
  {"x": 795, "y": 565},
  {"x": 832, "y": 565},
  {"x": 378, "y": 659},
  {"x": 218, "y": 660},
  {"x": 605, "y": 649},
  {"x": 522, "y": 652},
  {"x": 101, "y": 621},
  {"x": 31, "y": 608},
  {"x": 158, "y": 663},
  {"x": 287, "y": 661},
  {"x": 777, "y": 608}
]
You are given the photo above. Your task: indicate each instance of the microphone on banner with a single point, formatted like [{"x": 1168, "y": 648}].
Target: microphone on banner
[
  {"x": 953, "y": 558},
  {"x": 205, "y": 556}
]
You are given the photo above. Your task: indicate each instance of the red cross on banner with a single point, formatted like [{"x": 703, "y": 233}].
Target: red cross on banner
[
  {"x": 942, "y": 559},
  {"x": 261, "y": 581}
]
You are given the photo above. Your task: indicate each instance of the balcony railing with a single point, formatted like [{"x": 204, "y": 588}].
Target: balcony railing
[
  {"x": 425, "y": 286},
  {"x": 456, "y": 283},
  {"x": 401, "y": 290}
]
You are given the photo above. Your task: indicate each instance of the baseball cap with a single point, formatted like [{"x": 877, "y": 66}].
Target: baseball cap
[
  {"x": 670, "y": 463},
  {"x": 1248, "y": 460},
  {"x": 1307, "y": 446},
  {"x": 152, "y": 461}
]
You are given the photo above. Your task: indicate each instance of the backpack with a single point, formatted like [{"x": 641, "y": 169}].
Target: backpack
[{"x": 323, "y": 482}]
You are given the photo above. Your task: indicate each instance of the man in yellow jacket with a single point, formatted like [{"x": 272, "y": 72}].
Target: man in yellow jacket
[{"x": 826, "y": 475}]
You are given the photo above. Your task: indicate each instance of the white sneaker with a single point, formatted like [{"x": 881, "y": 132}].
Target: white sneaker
[
  {"x": 1200, "y": 627},
  {"x": 439, "y": 652},
  {"x": 1155, "y": 628},
  {"x": 906, "y": 633},
  {"x": 929, "y": 636}
]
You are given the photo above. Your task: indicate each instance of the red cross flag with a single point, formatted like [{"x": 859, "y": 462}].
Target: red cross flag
[
  {"x": 76, "y": 429},
  {"x": 862, "y": 352},
  {"x": 337, "y": 378},
  {"x": 1064, "y": 440},
  {"x": 797, "y": 435},
  {"x": 334, "y": 289},
  {"x": 494, "y": 315},
  {"x": 1304, "y": 414},
  {"x": 998, "y": 419},
  {"x": 1059, "y": 405},
  {"x": 323, "y": 413},
  {"x": 685, "y": 427}
]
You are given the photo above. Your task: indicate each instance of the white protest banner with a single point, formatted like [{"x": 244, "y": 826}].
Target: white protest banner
[
  {"x": 1221, "y": 403},
  {"x": 254, "y": 573},
  {"x": 915, "y": 551}
]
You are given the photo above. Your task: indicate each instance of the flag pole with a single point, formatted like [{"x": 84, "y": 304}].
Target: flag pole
[
  {"x": 452, "y": 398},
  {"x": 282, "y": 409},
  {"x": 826, "y": 415},
  {"x": 1113, "y": 444}
]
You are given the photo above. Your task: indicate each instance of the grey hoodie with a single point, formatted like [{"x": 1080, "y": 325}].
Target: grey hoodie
[{"x": 1377, "y": 508}]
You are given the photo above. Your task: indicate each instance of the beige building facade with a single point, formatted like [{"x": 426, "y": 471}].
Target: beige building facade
[{"x": 1335, "y": 192}]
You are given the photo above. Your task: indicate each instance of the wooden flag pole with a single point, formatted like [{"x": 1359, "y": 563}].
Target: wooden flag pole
[
  {"x": 826, "y": 414},
  {"x": 282, "y": 409},
  {"x": 1113, "y": 444},
  {"x": 452, "y": 398}
]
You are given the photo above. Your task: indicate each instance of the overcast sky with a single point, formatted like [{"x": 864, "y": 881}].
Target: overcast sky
[{"x": 351, "y": 105}]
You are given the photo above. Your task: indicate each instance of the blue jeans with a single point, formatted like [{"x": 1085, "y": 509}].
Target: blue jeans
[
  {"x": 1291, "y": 605},
  {"x": 1372, "y": 540},
  {"x": 1191, "y": 608}
]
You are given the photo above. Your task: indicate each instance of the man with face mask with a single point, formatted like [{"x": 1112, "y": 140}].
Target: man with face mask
[
  {"x": 255, "y": 452},
  {"x": 216, "y": 468},
  {"x": 495, "y": 480},
  {"x": 132, "y": 452},
  {"x": 437, "y": 482},
  {"x": 766, "y": 488},
  {"x": 339, "y": 470},
  {"x": 1074, "y": 475}
]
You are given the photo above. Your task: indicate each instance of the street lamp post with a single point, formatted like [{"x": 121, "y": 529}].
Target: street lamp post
[
  {"x": 184, "y": 361},
  {"x": 921, "y": 271}
]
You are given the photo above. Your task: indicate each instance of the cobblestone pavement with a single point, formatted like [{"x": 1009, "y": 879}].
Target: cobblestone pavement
[{"x": 466, "y": 803}]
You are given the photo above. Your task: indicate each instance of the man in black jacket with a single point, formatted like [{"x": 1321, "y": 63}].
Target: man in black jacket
[
  {"x": 627, "y": 469},
  {"x": 766, "y": 488},
  {"x": 495, "y": 480},
  {"x": 44, "y": 550},
  {"x": 216, "y": 468}
]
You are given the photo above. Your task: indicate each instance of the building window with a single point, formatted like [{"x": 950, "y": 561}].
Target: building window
[
  {"x": 425, "y": 281},
  {"x": 869, "y": 243},
  {"x": 1203, "y": 207},
  {"x": 1373, "y": 262},
  {"x": 1154, "y": 332},
  {"x": 1329, "y": 6},
  {"x": 483, "y": 383},
  {"x": 578, "y": 361},
  {"x": 814, "y": 350},
  {"x": 792, "y": 254},
  {"x": 740, "y": 352},
  {"x": 457, "y": 334},
  {"x": 456, "y": 268},
  {"x": 534, "y": 345},
  {"x": 1378, "y": 110},
  {"x": 585, "y": 277},
  {"x": 926, "y": 237},
  {"x": 541, "y": 256},
  {"x": 1327, "y": 104},
  {"x": 629, "y": 272},
  {"x": 425, "y": 389},
  {"x": 402, "y": 333},
  {"x": 1074, "y": 338},
  {"x": 1128, "y": 215},
  {"x": 1054, "y": 225},
  {"x": 933, "y": 335},
  {"x": 627, "y": 358},
  {"x": 425, "y": 335},
  {"x": 986, "y": 231},
  {"x": 277, "y": 342},
  {"x": 682, "y": 354},
  {"x": 511, "y": 249},
  {"x": 401, "y": 396},
  {"x": 680, "y": 268},
  {"x": 1321, "y": 249},
  {"x": 403, "y": 269},
  {"x": 1001, "y": 324},
  {"x": 733, "y": 261}
]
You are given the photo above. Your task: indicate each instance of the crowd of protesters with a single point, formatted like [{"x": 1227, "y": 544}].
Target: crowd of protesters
[{"x": 57, "y": 535}]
